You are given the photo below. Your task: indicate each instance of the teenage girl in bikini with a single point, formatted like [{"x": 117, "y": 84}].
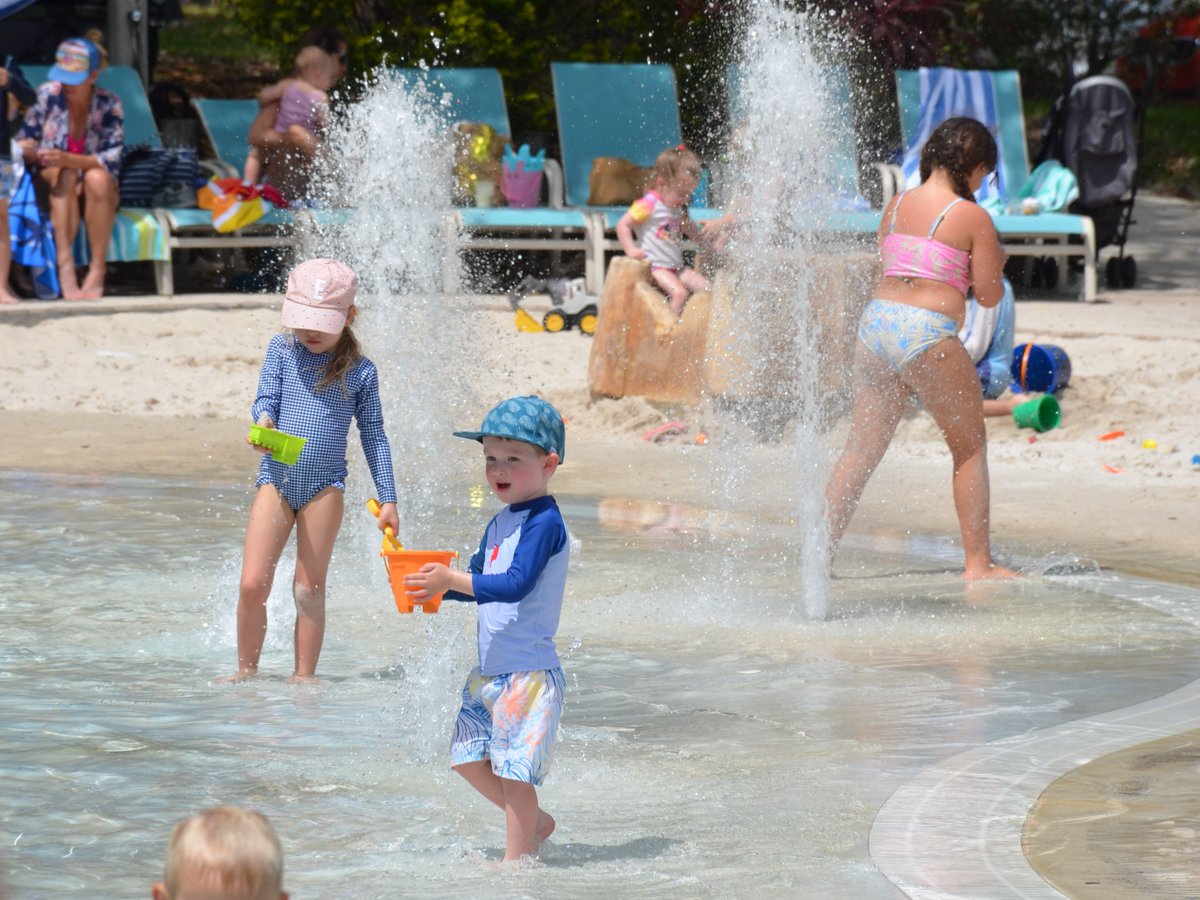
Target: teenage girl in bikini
[{"x": 936, "y": 244}]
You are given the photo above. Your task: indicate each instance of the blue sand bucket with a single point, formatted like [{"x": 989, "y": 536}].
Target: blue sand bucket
[{"x": 1040, "y": 367}]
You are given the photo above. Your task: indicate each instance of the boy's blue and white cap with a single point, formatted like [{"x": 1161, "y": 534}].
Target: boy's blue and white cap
[
  {"x": 529, "y": 419},
  {"x": 74, "y": 61}
]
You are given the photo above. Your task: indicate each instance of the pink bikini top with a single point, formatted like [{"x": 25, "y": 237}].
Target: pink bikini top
[{"x": 912, "y": 256}]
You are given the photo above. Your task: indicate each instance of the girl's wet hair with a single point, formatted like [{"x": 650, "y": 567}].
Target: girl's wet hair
[
  {"x": 346, "y": 353},
  {"x": 958, "y": 145},
  {"x": 676, "y": 162},
  {"x": 343, "y": 357}
]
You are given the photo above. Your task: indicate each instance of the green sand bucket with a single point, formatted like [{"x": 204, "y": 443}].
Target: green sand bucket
[
  {"x": 1041, "y": 414},
  {"x": 284, "y": 447}
]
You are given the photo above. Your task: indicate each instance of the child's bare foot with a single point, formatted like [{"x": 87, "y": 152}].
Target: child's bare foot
[
  {"x": 990, "y": 571},
  {"x": 303, "y": 679},
  {"x": 6, "y": 297},
  {"x": 240, "y": 675},
  {"x": 545, "y": 827}
]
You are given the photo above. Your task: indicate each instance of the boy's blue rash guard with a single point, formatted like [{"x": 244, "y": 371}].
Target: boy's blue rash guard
[
  {"x": 518, "y": 575},
  {"x": 287, "y": 393}
]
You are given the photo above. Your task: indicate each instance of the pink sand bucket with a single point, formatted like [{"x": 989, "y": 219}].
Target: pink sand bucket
[{"x": 521, "y": 189}]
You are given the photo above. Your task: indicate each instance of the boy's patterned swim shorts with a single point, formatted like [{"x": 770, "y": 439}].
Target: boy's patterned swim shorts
[{"x": 510, "y": 719}]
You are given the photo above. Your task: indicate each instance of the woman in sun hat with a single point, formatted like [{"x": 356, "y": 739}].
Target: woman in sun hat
[{"x": 75, "y": 133}]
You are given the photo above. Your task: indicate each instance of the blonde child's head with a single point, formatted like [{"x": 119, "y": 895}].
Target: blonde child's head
[
  {"x": 316, "y": 67},
  {"x": 677, "y": 169},
  {"x": 223, "y": 852},
  {"x": 677, "y": 164}
]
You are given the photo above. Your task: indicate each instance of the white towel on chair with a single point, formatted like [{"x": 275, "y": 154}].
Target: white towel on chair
[{"x": 954, "y": 92}]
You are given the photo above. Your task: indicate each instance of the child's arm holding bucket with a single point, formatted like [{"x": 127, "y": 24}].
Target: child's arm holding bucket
[
  {"x": 265, "y": 411},
  {"x": 434, "y": 578},
  {"x": 540, "y": 539}
]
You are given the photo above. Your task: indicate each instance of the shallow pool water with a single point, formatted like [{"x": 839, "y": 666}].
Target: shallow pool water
[{"x": 716, "y": 742}]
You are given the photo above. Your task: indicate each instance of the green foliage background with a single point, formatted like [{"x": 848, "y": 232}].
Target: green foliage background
[
  {"x": 519, "y": 37},
  {"x": 1048, "y": 41}
]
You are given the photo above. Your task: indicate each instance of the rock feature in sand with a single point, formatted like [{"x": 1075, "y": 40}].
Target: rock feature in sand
[{"x": 642, "y": 350}]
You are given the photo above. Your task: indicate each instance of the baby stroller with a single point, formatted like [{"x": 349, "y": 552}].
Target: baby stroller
[{"x": 1096, "y": 132}]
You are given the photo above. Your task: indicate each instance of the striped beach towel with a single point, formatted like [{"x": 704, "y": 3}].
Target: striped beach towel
[
  {"x": 137, "y": 236},
  {"x": 957, "y": 92}
]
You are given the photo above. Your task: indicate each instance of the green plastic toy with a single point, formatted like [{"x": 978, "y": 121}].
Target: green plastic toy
[{"x": 284, "y": 447}]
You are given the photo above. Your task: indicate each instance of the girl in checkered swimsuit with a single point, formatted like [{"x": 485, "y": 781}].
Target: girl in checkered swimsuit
[{"x": 314, "y": 381}]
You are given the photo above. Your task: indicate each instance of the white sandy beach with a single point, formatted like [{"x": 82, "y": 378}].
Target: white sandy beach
[{"x": 100, "y": 386}]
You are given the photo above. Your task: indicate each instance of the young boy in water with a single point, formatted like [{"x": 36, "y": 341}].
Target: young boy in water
[
  {"x": 223, "y": 852},
  {"x": 513, "y": 699}
]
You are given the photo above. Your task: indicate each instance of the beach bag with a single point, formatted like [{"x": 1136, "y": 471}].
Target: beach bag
[
  {"x": 159, "y": 176},
  {"x": 142, "y": 168},
  {"x": 233, "y": 211},
  {"x": 244, "y": 205},
  {"x": 614, "y": 181},
  {"x": 521, "y": 176},
  {"x": 33, "y": 240},
  {"x": 177, "y": 183},
  {"x": 215, "y": 188}
]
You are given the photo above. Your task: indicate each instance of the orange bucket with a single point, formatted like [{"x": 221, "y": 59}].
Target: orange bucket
[{"x": 404, "y": 562}]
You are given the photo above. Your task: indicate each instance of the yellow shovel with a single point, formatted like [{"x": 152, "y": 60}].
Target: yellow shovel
[{"x": 374, "y": 508}]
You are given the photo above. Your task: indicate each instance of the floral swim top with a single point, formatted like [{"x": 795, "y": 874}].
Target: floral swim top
[
  {"x": 912, "y": 256},
  {"x": 47, "y": 123}
]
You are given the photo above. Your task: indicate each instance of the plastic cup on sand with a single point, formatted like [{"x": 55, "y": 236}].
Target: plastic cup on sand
[{"x": 1041, "y": 414}]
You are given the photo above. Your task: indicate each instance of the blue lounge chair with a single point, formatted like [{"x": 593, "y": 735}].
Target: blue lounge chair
[
  {"x": 624, "y": 110},
  {"x": 226, "y": 124},
  {"x": 464, "y": 95},
  {"x": 631, "y": 111},
  {"x": 477, "y": 95},
  {"x": 929, "y": 96},
  {"x": 137, "y": 234}
]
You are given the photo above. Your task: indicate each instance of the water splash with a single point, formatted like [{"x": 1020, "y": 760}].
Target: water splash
[
  {"x": 784, "y": 184},
  {"x": 386, "y": 192},
  {"x": 386, "y": 211}
]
